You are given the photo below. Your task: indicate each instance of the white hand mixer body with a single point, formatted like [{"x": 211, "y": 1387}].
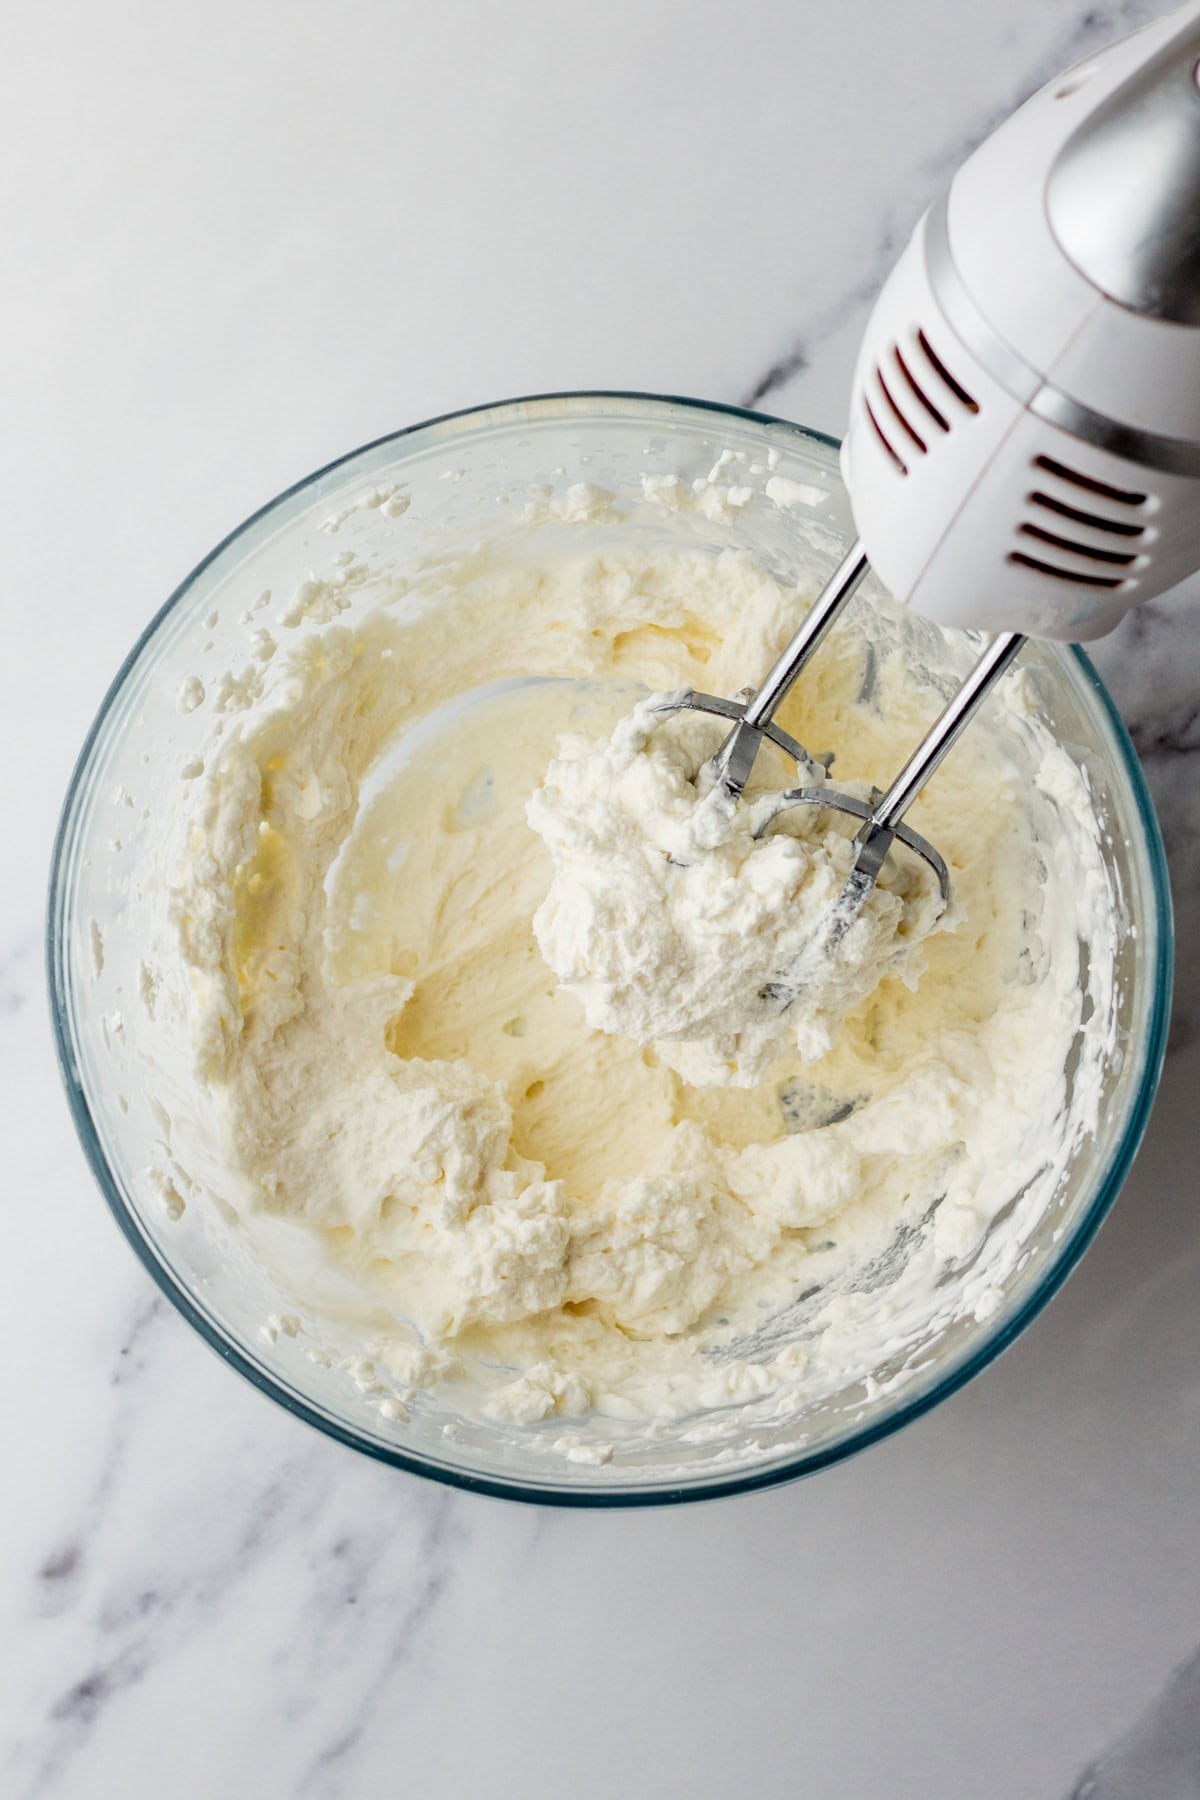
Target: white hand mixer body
[
  {"x": 1024, "y": 445},
  {"x": 1023, "y": 455}
]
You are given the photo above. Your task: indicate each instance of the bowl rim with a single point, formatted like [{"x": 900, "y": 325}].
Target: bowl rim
[{"x": 579, "y": 1494}]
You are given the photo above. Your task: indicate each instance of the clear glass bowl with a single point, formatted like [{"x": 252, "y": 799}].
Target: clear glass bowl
[{"x": 459, "y": 470}]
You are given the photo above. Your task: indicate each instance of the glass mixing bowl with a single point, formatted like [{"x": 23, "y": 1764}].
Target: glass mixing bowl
[{"x": 111, "y": 873}]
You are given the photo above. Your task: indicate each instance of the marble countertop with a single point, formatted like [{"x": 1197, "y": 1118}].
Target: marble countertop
[{"x": 239, "y": 240}]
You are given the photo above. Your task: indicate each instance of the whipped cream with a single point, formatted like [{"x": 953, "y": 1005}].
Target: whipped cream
[
  {"x": 688, "y": 922},
  {"x": 465, "y": 1190}
]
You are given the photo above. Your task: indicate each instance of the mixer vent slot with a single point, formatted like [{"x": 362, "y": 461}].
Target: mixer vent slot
[
  {"x": 1122, "y": 496},
  {"x": 915, "y": 440},
  {"x": 1096, "y": 506},
  {"x": 898, "y": 461},
  {"x": 1124, "y": 528},
  {"x": 1121, "y": 559},
  {"x": 938, "y": 366},
  {"x": 920, "y": 393},
  {"x": 1045, "y": 568},
  {"x": 910, "y": 400}
]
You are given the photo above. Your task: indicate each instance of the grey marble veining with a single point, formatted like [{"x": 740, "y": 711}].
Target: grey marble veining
[
  {"x": 240, "y": 242},
  {"x": 1160, "y": 1755}
]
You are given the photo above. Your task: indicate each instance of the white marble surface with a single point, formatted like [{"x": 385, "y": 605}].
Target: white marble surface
[{"x": 238, "y": 240}]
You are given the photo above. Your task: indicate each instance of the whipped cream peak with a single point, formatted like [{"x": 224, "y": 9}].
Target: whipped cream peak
[{"x": 679, "y": 922}]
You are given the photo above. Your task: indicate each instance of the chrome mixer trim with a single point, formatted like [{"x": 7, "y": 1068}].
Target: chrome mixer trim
[
  {"x": 1145, "y": 449},
  {"x": 1123, "y": 194},
  {"x": 1026, "y": 384}
]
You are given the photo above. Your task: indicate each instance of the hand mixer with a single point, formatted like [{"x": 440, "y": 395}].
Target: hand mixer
[{"x": 1023, "y": 455}]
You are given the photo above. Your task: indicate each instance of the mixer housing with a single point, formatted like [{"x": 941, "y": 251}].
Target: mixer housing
[{"x": 1024, "y": 444}]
